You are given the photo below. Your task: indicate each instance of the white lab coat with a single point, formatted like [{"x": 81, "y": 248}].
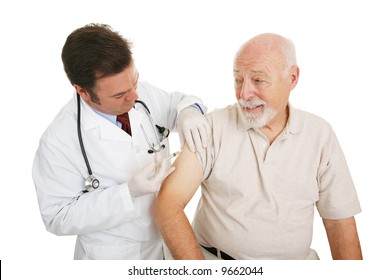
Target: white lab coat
[{"x": 109, "y": 222}]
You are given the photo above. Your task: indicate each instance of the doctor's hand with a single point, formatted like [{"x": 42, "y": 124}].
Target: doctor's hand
[
  {"x": 148, "y": 179},
  {"x": 193, "y": 128}
]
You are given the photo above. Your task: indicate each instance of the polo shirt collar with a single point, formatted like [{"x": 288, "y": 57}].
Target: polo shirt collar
[{"x": 294, "y": 124}]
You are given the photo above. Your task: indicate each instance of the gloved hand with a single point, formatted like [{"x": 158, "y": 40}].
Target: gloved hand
[
  {"x": 193, "y": 128},
  {"x": 148, "y": 180}
]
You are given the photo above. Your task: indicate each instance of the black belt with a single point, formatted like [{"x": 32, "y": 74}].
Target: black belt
[{"x": 214, "y": 251}]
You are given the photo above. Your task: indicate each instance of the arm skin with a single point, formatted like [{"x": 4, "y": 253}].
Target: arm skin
[
  {"x": 168, "y": 209},
  {"x": 343, "y": 239}
]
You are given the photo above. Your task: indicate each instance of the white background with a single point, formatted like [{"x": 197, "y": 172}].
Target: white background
[{"x": 342, "y": 50}]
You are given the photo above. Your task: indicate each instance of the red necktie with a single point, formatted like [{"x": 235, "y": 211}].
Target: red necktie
[{"x": 124, "y": 120}]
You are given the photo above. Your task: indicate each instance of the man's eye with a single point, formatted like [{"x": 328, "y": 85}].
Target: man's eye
[{"x": 259, "y": 81}]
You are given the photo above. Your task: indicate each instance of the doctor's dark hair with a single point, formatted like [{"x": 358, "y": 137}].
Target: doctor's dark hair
[{"x": 93, "y": 52}]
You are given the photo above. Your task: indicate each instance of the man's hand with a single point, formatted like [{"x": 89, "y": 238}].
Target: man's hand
[{"x": 193, "y": 129}]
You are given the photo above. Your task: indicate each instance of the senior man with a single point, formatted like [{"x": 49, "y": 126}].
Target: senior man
[{"x": 267, "y": 166}]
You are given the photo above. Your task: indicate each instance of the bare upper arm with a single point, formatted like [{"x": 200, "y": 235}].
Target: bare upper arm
[
  {"x": 343, "y": 239},
  {"x": 339, "y": 223},
  {"x": 181, "y": 185}
]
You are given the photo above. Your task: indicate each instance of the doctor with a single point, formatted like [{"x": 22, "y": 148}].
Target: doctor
[{"x": 95, "y": 180}]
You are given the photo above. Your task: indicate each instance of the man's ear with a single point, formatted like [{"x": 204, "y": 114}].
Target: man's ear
[
  {"x": 294, "y": 76},
  {"x": 82, "y": 92}
]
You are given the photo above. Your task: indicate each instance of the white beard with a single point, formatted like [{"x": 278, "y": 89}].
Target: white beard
[{"x": 256, "y": 119}]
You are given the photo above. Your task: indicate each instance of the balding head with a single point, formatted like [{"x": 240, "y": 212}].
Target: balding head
[{"x": 273, "y": 46}]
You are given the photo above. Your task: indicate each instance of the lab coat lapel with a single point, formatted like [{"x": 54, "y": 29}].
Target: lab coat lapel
[
  {"x": 108, "y": 131},
  {"x": 135, "y": 122},
  {"x": 111, "y": 132}
]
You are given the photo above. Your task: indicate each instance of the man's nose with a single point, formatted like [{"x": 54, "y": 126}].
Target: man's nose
[{"x": 247, "y": 90}]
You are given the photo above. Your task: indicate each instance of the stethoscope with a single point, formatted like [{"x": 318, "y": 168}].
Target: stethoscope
[{"x": 92, "y": 183}]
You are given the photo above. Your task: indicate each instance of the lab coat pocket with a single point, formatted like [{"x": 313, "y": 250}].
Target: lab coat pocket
[{"x": 113, "y": 252}]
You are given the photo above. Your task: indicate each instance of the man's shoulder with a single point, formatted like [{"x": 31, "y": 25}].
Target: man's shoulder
[
  {"x": 223, "y": 114},
  {"x": 302, "y": 116},
  {"x": 308, "y": 124}
]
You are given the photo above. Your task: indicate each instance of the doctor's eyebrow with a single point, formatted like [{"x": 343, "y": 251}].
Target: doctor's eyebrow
[{"x": 119, "y": 94}]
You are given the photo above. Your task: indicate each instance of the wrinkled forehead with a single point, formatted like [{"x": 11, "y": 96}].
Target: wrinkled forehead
[{"x": 258, "y": 57}]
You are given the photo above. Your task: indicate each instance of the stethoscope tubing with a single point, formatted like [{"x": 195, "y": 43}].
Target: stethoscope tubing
[
  {"x": 80, "y": 136},
  {"x": 92, "y": 183},
  {"x": 154, "y": 148}
]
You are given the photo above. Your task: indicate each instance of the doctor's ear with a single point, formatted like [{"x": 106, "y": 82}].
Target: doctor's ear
[{"x": 82, "y": 92}]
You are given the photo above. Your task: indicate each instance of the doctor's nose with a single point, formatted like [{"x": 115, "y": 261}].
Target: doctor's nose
[{"x": 131, "y": 95}]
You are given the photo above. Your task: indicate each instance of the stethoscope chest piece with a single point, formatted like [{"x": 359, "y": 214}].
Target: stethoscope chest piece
[{"x": 91, "y": 183}]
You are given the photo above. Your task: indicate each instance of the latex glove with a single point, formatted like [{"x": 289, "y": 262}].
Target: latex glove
[
  {"x": 193, "y": 128},
  {"x": 148, "y": 179}
]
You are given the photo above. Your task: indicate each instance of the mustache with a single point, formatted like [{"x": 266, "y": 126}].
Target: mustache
[{"x": 252, "y": 103}]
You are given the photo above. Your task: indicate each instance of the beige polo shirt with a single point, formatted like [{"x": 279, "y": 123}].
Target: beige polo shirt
[{"x": 258, "y": 199}]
